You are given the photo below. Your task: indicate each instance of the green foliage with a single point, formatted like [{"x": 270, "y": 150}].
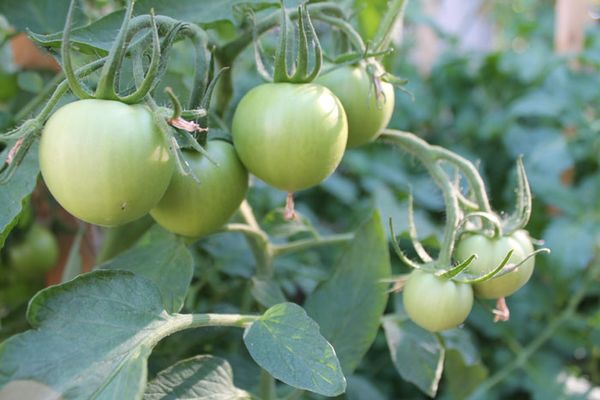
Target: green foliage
[
  {"x": 201, "y": 377},
  {"x": 287, "y": 343},
  {"x": 117, "y": 332}
]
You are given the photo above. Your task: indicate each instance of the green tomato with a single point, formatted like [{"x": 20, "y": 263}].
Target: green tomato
[
  {"x": 434, "y": 303},
  {"x": 366, "y": 116},
  {"x": 104, "y": 161},
  {"x": 35, "y": 254},
  {"x": 291, "y": 136},
  {"x": 490, "y": 253},
  {"x": 194, "y": 209}
]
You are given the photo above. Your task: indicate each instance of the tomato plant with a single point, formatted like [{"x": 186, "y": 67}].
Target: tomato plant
[
  {"x": 197, "y": 205},
  {"x": 104, "y": 161},
  {"x": 35, "y": 253},
  {"x": 490, "y": 253},
  {"x": 436, "y": 303},
  {"x": 291, "y": 136},
  {"x": 368, "y": 101},
  {"x": 167, "y": 115}
]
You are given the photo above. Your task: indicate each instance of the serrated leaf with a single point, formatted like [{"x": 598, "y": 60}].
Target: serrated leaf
[
  {"x": 348, "y": 307},
  {"x": 267, "y": 292},
  {"x": 417, "y": 354},
  {"x": 287, "y": 344},
  {"x": 163, "y": 258},
  {"x": 200, "y": 378},
  {"x": 14, "y": 192},
  {"x": 91, "y": 338}
]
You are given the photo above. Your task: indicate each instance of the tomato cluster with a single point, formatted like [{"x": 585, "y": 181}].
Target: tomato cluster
[
  {"x": 107, "y": 162},
  {"x": 293, "y": 136},
  {"x": 436, "y": 303}
]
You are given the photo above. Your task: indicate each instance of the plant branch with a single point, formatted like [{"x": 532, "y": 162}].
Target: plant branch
[{"x": 299, "y": 245}]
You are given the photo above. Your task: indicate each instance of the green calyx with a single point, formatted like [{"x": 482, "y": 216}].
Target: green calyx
[{"x": 308, "y": 42}]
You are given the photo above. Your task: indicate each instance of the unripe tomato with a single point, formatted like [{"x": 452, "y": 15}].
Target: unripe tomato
[
  {"x": 490, "y": 253},
  {"x": 35, "y": 254},
  {"x": 192, "y": 208},
  {"x": 291, "y": 136},
  {"x": 434, "y": 303},
  {"x": 104, "y": 161},
  {"x": 366, "y": 116}
]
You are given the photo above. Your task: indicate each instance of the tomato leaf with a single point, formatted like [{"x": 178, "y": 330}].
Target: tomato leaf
[
  {"x": 91, "y": 338},
  {"x": 163, "y": 258},
  {"x": 267, "y": 292},
  {"x": 417, "y": 354},
  {"x": 348, "y": 307},
  {"x": 287, "y": 343},
  {"x": 201, "y": 377},
  {"x": 43, "y": 16},
  {"x": 462, "y": 378},
  {"x": 14, "y": 192},
  {"x": 99, "y": 35}
]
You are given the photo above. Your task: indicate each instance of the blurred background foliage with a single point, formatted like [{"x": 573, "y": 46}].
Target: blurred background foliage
[{"x": 486, "y": 82}]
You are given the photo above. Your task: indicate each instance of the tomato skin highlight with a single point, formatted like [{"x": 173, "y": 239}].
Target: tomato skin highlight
[
  {"x": 366, "y": 119},
  {"x": 35, "y": 254},
  {"x": 490, "y": 253},
  {"x": 292, "y": 136},
  {"x": 104, "y": 161},
  {"x": 195, "y": 209},
  {"x": 434, "y": 303}
]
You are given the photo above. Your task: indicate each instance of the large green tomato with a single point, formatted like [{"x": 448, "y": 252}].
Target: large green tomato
[
  {"x": 35, "y": 254},
  {"x": 192, "y": 208},
  {"x": 291, "y": 136},
  {"x": 490, "y": 253},
  {"x": 366, "y": 116},
  {"x": 434, "y": 303},
  {"x": 104, "y": 161}
]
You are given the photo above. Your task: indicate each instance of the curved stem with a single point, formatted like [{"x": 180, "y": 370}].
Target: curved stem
[
  {"x": 546, "y": 334},
  {"x": 345, "y": 27},
  {"x": 65, "y": 52},
  {"x": 231, "y": 50},
  {"x": 299, "y": 245},
  {"x": 428, "y": 155},
  {"x": 260, "y": 246}
]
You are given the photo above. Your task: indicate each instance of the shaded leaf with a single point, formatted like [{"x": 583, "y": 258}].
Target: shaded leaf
[
  {"x": 163, "y": 258},
  {"x": 417, "y": 354},
  {"x": 201, "y": 378},
  {"x": 267, "y": 292},
  {"x": 348, "y": 307},
  {"x": 15, "y": 191}
]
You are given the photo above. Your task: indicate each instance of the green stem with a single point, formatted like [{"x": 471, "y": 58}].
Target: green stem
[
  {"x": 259, "y": 243},
  {"x": 395, "y": 11},
  {"x": 345, "y": 28},
  {"x": 39, "y": 98},
  {"x": 299, "y": 245},
  {"x": 546, "y": 334},
  {"x": 428, "y": 155},
  {"x": 180, "y": 322},
  {"x": 230, "y": 51},
  {"x": 266, "y": 386}
]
